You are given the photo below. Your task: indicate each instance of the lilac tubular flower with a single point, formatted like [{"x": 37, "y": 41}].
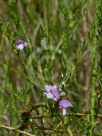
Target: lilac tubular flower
[
  {"x": 21, "y": 44},
  {"x": 63, "y": 105},
  {"x": 52, "y": 92}
]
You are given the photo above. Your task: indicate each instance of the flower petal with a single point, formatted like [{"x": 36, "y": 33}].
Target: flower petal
[
  {"x": 64, "y": 112},
  {"x": 48, "y": 88},
  {"x": 49, "y": 95},
  {"x": 54, "y": 92},
  {"x": 65, "y": 104},
  {"x": 20, "y": 47},
  {"x": 20, "y": 44}
]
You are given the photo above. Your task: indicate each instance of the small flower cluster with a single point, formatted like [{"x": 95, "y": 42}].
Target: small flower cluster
[
  {"x": 20, "y": 44},
  {"x": 52, "y": 92}
]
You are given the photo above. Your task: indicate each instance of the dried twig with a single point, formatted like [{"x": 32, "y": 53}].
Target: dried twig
[{"x": 16, "y": 130}]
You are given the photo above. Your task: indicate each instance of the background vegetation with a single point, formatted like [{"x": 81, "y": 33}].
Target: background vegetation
[{"x": 65, "y": 48}]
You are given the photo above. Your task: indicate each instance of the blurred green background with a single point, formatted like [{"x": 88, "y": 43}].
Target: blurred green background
[{"x": 65, "y": 49}]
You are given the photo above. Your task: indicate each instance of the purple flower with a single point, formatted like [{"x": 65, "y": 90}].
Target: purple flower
[
  {"x": 21, "y": 44},
  {"x": 63, "y": 105},
  {"x": 52, "y": 92}
]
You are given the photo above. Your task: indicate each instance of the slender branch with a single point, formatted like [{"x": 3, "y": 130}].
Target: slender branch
[
  {"x": 69, "y": 114},
  {"x": 16, "y": 130},
  {"x": 43, "y": 128},
  {"x": 62, "y": 130}
]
